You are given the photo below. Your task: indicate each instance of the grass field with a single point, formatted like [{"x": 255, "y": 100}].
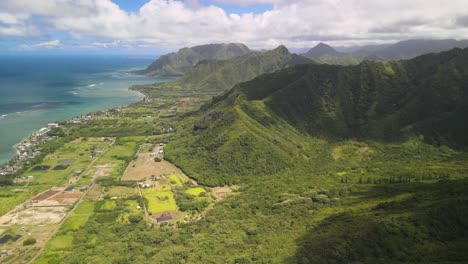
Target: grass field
[
  {"x": 120, "y": 191},
  {"x": 176, "y": 180},
  {"x": 195, "y": 191},
  {"x": 79, "y": 217},
  {"x": 160, "y": 199}
]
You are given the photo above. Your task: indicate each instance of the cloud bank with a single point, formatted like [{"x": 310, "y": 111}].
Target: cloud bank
[
  {"x": 47, "y": 44},
  {"x": 170, "y": 24}
]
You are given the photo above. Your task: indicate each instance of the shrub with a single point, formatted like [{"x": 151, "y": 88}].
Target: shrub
[
  {"x": 157, "y": 159},
  {"x": 29, "y": 241},
  {"x": 135, "y": 219}
]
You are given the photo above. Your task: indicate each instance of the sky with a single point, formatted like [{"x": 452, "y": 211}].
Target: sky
[{"x": 160, "y": 26}]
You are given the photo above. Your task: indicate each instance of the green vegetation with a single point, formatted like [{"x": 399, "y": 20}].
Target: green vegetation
[
  {"x": 75, "y": 152},
  {"x": 29, "y": 241},
  {"x": 84, "y": 228},
  {"x": 333, "y": 164},
  {"x": 160, "y": 199},
  {"x": 178, "y": 63},
  {"x": 213, "y": 77}
]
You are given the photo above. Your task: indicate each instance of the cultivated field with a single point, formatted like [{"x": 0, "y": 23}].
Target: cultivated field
[
  {"x": 160, "y": 199},
  {"x": 144, "y": 167}
]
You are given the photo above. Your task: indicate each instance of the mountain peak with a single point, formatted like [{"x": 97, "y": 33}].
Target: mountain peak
[
  {"x": 281, "y": 49},
  {"x": 321, "y": 49},
  {"x": 178, "y": 63}
]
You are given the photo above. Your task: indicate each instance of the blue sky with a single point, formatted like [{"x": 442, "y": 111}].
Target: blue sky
[
  {"x": 161, "y": 26},
  {"x": 256, "y": 8}
]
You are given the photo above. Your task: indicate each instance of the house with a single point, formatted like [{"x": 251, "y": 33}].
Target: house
[
  {"x": 144, "y": 185},
  {"x": 41, "y": 132},
  {"x": 165, "y": 217},
  {"x": 52, "y": 125}
]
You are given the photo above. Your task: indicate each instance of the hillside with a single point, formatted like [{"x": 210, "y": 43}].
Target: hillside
[
  {"x": 387, "y": 102},
  {"x": 212, "y": 77},
  {"x": 176, "y": 64},
  {"x": 335, "y": 165}
]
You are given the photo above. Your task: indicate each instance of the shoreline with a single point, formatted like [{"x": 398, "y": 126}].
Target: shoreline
[{"x": 28, "y": 138}]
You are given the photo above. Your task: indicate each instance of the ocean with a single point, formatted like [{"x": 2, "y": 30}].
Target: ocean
[{"x": 36, "y": 90}]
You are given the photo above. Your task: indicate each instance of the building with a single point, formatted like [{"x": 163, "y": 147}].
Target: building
[
  {"x": 165, "y": 217},
  {"x": 52, "y": 125},
  {"x": 42, "y": 132}
]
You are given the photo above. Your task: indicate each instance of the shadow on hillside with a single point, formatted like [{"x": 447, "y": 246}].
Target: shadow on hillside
[{"x": 430, "y": 226}]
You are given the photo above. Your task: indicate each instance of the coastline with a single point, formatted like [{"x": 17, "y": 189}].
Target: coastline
[{"x": 142, "y": 98}]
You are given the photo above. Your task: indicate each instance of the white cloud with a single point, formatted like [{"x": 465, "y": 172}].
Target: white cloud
[
  {"x": 171, "y": 24},
  {"x": 41, "y": 45}
]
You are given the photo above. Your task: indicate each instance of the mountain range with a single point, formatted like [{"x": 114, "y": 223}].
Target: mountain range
[
  {"x": 215, "y": 76},
  {"x": 384, "y": 101},
  {"x": 176, "y": 64},
  {"x": 323, "y": 53}
]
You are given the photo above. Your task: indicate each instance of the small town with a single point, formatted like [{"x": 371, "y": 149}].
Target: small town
[{"x": 27, "y": 150}]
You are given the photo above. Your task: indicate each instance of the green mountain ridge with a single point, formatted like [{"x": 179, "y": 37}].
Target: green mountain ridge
[
  {"x": 212, "y": 77},
  {"x": 333, "y": 165},
  {"x": 388, "y": 102},
  {"x": 176, "y": 64}
]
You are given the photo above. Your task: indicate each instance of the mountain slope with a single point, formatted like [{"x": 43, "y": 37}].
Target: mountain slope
[
  {"x": 222, "y": 75},
  {"x": 385, "y": 101},
  {"x": 176, "y": 64},
  {"x": 214, "y": 76},
  {"x": 248, "y": 130}
]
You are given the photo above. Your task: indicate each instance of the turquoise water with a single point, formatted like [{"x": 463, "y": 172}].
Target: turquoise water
[{"x": 36, "y": 90}]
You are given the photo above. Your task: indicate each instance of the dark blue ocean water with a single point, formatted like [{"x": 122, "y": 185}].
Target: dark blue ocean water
[{"x": 36, "y": 90}]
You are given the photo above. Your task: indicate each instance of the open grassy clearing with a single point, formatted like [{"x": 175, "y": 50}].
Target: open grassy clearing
[
  {"x": 79, "y": 217},
  {"x": 160, "y": 199},
  {"x": 144, "y": 167},
  {"x": 118, "y": 191},
  {"x": 195, "y": 191}
]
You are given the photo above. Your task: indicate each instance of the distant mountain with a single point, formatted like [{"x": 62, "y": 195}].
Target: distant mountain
[
  {"x": 222, "y": 75},
  {"x": 320, "y": 50},
  {"x": 325, "y": 54},
  {"x": 215, "y": 76},
  {"x": 176, "y": 64},
  {"x": 408, "y": 49},
  {"x": 411, "y": 48}
]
